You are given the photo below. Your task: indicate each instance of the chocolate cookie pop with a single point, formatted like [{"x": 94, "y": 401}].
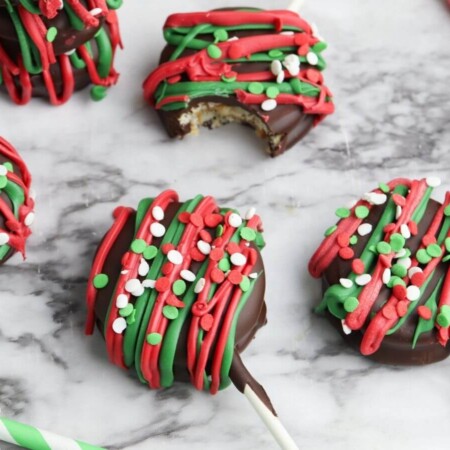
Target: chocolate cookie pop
[
  {"x": 52, "y": 48},
  {"x": 177, "y": 290},
  {"x": 246, "y": 65}
]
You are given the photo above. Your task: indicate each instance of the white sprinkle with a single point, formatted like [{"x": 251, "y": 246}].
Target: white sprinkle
[
  {"x": 433, "y": 181},
  {"x": 150, "y": 284},
  {"x": 412, "y": 293},
  {"x": 401, "y": 253},
  {"x": 374, "y": 198},
  {"x": 121, "y": 301},
  {"x": 70, "y": 52},
  {"x": 235, "y": 220},
  {"x": 238, "y": 259},
  {"x": 405, "y": 231},
  {"x": 413, "y": 271},
  {"x": 346, "y": 282},
  {"x": 276, "y": 67},
  {"x": 386, "y": 275},
  {"x": 119, "y": 325},
  {"x": 291, "y": 60},
  {"x": 345, "y": 328},
  {"x": 3, "y": 170},
  {"x": 204, "y": 247},
  {"x": 157, "y": 229},
  {"x": 287, "y": 33},
  {"x": 364, "y": 229},
  {"x": 250, "y": 213},
  {"x": 253, "y": 276},
  {"x": 158, "y": 213},
  {"x": 405, "y": 262},
  {"x": 96, "y": 11},
  {"x": 398, "y": 212},
  {"x": 293, "y": 70},
  {"x": 362, "y": 280},
  {"x": 312, "y": 58},
  {"x": 280, "y": 77},
  {"x": 144, "y": 268},
  {"x": 124, "y": 272},
  {"x": 61, "y": 5},
  {"x": 269, "y": 104},
  {"x": 200, "y": 285},
  {"x": 234, "y": 38},
  {"x": 4, "y": 238},
  {"x": 29, "y": 219},
  {"x": 175, "y": 257},
  {"x": 187, "y": 275},
  {"x": 132, "y": 285}
]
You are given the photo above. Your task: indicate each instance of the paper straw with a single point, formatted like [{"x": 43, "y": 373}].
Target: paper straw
[{"x": 35, "y": 439}]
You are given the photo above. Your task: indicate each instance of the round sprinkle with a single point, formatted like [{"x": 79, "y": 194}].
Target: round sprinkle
[
  {"x": 256, "y": 88},
  {"x": 179, "y": 287},
  {"x": 272, "y": 92},
  {"x": 204, "y": 247},
  {"x": 413, "y": 271},
  {"x": 342, "y": 213},
  {"x": 150, "y": 252},
  {"x": 245, "y": 284},
  {"x": 361, "y": 212},
  {"x": 8, "y": 166},
  {"x": 250, "y": 213},
  {"x": 3, "y": 181},
  {"x": 187, "y": 275},
  {"x": 221, "y": 35},
  {"x": 100, "y": 281},
  {"x": 384, "y": 187},
  {"x": 398, "y": 212},
  {"x": 138, "y": 246},
  {"x": 143, "y": 268},
  {"x": 394, "y": 281},
  {"x": 162, "y": 284},
  {"x": 249, "y": 234},
  {"x": 358, "y": 266},
  {"x": 269, "y": 105},
  {"x": 29, "y": 219},
  {"x": 345, "y": 328},
  {"x": 418, "y": 279},
  {"x": 383, "y": 248},
  {"x": 362, "y": 280},
  {"x": 154, "y": 338},
  {"x": 214, "y": 52},
  {"x": 52, "y": 32},
  {"x": 275, "y": 53},
  {"x": 3, "y": 170},
  {"x": 375, "y": 198},
  {"x": 200, "y": 285},
  {"x": 399, "y": 270},
  {"x": 276, "y": 67},
  {"x": 353, "y": 240},
  {"x": 158, "y": 213},
  {"x": 217, "y": 276},
  {"x": 404, "y": 230},
  {"x": 405, "y": 262},
  {"x": 402, "y": 308},
  {"x": 397, "y": 242},
  {"x": 350, "y": 304},
  {"x": 224, "y": 265},
  {"x": 424, "y": 312},
  {"x": 235, "y": 220},
  {"x": 126, "y": 310},
  {"x": 386, "y": 275},
  {"x": 364, "y": 229},
  {"x": 119, "y": 325},
  {"x": 331, "y": 230},
  {"x": 157, "y": 229},
  {"x": 235, "y": 277},
  {"x": 170, "y": 312},
  {"x": 434, "y": 250},
  {"x": 228, "y": 79},
  {"x": 447, "y": 244},
  {"x": 433, "y": 181},
  {"x": 121, "y": 301},
  {"x": 133, "y": 285},
  {"x": 346, "y": 282},
  {"x": 443, "y": 318},
  {"x": 4, "y": 238},
  {"x": 150, "y": 284},
  {"x": 447, "y": 210},
  {"x": 207, "y": 321},
  {"x": 412, "y": 293},
  {"x": 98, "y": 93},
  {"x": 175, "y": 257},
  {"x": 423, "y": 257},
  {"x": 238, "y": 259},
  {"x": 312, "y": 58},
  {"x": 346, "y": 253}
]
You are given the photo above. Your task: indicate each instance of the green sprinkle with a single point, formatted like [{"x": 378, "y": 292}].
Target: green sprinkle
[
  {"x": 100, "y": 281},
  {"x": 170, "y": 312},
  {"x": 3, "y": 181},
  {"x": 138, "y": 246},
  {"x": 397, "y": 242},
  {"x": 219, "y": 230},
  {"x": 446, "y": 258},
  {"x": 447, "y": 210},
  {"x": 224, "y": 265},
  {"x": 51, "y": 34},
  {"x": 256, "y": 88},
  {"x": 399, "y": 270},
  {"x": 383, "y": 248},
  {"x": 343, "y": 213},
  {"x": 125, "y": 312},
  {"x": 423, "y": 257},
  {"x": 226, "y": 79},
  {"x": 259, "y": 241},
  {"x": 214, "y": 52},
  {"x": 249, "y": 234},
  {"x": 272, "y": 92},
  {"x": 154, "y": 338},
  {"x": 331, "y": 230},
  {"x": 150, "y": 252},
  {"x": 179, "y": 287},
  {"x": 98, "y": 93},
  {"x": 131, "y": 318},
  {"x": 443, "y": 318},
  {"x": 361, "y": 212},
  {"x": 447, "y": 244},
  {"x": 434, "y": 250},
  {"x": 245, "y": 284},
  {"x": 373, "y": 249},
  {"x": 221, "y": 35},
  {"x": 353, "y": 240},
  {"x": 350, "y": 304},
  {"x": 384, "y": 188},
  {"x": 394, "y": 281},
  {"x": 275, "y": 53},
  {"x": 9, "y": 166}
]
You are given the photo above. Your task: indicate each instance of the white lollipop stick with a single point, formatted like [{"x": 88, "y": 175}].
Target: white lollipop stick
[
  {"x": 34, "y": 438},
  {"x": 296, "y": 5}
]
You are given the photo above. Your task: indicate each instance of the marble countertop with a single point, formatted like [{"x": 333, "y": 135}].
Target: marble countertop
[{"x": 388, "y": 67}]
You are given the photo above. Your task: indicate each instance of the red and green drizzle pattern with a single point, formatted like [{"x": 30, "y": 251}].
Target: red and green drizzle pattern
[
  {"x": 156, "y": 318},
  {"x": 16, "y": 187},
  {"x": 209, "y": 71},
  {"x": 38, "y": 55},
  {"x": 387, "y": 248}
]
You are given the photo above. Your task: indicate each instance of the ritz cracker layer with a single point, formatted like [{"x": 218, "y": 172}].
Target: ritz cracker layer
[{"x": 261, "y": 68}]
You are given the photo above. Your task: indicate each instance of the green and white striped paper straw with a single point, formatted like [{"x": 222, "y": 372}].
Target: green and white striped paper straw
[{"x": 35, "y": 439}]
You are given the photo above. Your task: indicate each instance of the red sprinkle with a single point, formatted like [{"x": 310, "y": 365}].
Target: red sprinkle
[
  {"x": 235, "y": 277},
  {"x": 184, "y": 217},
  {"x": 412, "y": 227},
  {"x": 162, "y": 284},
  {"x": 167, "y": 247},
  {"x": 358, "y": 266},
  {"x": 418, "y": 279},
  {"x": 314, "y": 76},
  {"x": 216, "y": 254},
  {"x": 197, "y": 220},
  {"x": 303, "y": 50},
  {"x": 167, "y": 268},
  {"x": 428, "y": 239},
  {"x": 197, "y": 255},
  {"x": 217, "y": 276},
  {"x": 424, "y": 312},
  {"x": 389, "y": 227},
  {"x": 343, "y": 239},
  {"x": 399, "y": 291},
  {"x": 399, "y": 200},
  {"x": 174, "y": 301},
  {"x": 213, "y": 220},
  {"x": 402, "y": 308},
  {"x": 205, "y": 236},
  {"x": 346, "y": 253},
  {"x": 389, "y": 312},
  {"x": 206, "y": 322},
  {"x": 173, "y": 80},
  {"x": 232, "y": 248},
  {"x": 218, "y": 242}
]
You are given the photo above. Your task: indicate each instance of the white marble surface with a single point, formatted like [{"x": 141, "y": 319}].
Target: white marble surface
[{"x": 388, "y": 67}]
